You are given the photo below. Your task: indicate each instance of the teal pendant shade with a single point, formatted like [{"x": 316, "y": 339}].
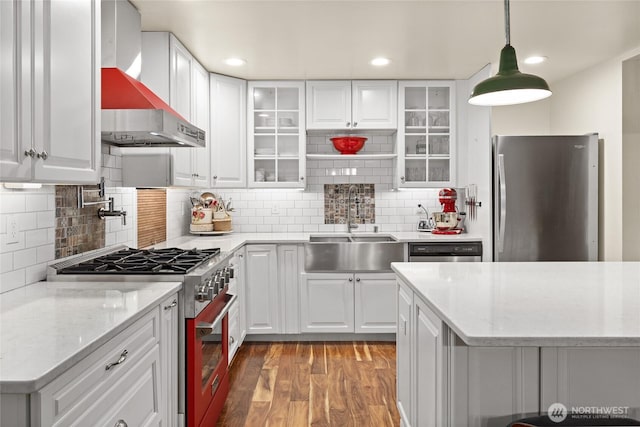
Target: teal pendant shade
[{"x": 509, "y": 86}]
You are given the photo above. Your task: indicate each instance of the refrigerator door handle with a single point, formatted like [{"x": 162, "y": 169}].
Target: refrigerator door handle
[{"x": 503, "y": 202}]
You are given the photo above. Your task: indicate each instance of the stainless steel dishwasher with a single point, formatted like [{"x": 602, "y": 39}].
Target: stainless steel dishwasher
[{"x": 445, "y": 252}]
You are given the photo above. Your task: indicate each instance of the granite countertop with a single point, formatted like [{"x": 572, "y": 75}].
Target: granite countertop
[
  {"x": 47, "y": 327},
  {"x": 532, "y": 304},
  {"x": 233, "y": 241}
]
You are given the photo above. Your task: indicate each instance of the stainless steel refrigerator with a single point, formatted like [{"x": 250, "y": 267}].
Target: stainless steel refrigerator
[{"x": 545, "y": 193}]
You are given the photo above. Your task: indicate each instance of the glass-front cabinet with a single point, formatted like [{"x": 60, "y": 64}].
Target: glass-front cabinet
[
  {"x": 426, "y": 134},
  {"x": 277, "y": 137}
]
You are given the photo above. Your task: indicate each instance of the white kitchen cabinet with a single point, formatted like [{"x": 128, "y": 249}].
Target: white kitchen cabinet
[
  {"x": 427, "y": 135},
  {"x": 228, "y": 100},
  {"x": 237, "y": 323},
  {"x": 263, "y": 295},
  {"x": 404, "y": 354},
  {"x": 122, "y": 380},
  {"x": 373, "y": 306},
  {"x": 347, "y": 302},
  {"x": 276, "y": 137},
  {"x": 169, "y": 345},
  {"x": 50, "y": 133},
  {"x": 326, "y": 302},
  {"x": 172, "y": 73},
  {"x": 352, "y": 105},
  {"x": 290, "y": 260}
]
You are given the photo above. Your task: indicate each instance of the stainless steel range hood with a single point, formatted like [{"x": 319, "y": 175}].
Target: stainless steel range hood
[{"x": 132, "y": 115}]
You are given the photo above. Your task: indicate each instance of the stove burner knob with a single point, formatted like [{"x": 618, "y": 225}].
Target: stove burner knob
[
  {"x": 231, "y": 271},
  {"x": 227, "y": 275},
  {"x": 211, "y": 294},
  {"x": 219, "y": 284},
  {"x": 201, "y": 293}
]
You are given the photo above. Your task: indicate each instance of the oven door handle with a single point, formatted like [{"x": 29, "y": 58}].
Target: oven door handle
[{"x": 204, "y": 329}]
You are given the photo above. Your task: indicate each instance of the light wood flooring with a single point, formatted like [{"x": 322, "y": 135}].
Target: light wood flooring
[{"x": 312, "y": 384}]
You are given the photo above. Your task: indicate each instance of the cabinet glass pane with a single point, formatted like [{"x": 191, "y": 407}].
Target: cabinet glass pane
[
  {"x": 288, "y": 145},
  {"x": 265, "y": 170},
  {"x": 439, "y": 144},
  {"x": 439, "y": 98},
  {"x": 438, "y": 120},
  {"x": 288, "y": 170},
  {"x": 264, "y": 145},
  {"x": 263, "y": 120},
  {"x": 288, "y": 121},
  {"x": 415, "y": 145},
  {"x": 264, "y": 98},
  {"x": 288, "y": 98},
  {"x": 415, "y": 119},
  {"x": 415, "y": 170},
  {"x": 415, "y": 98},
  {"x": 438, "y": 170}
]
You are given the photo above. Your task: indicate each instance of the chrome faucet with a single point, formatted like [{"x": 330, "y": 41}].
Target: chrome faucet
[
  {"x": 102, "y": 212},
  {"x": 351, "y": 226}
]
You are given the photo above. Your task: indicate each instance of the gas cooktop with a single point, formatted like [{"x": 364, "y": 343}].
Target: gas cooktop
[{"x": 144, "y": 261}]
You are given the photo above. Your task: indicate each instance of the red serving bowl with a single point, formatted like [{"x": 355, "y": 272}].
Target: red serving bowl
[{"x": 348, "y": 144}]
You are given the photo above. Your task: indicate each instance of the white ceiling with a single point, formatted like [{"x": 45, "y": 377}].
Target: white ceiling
[{"x": 332, "y": 39}]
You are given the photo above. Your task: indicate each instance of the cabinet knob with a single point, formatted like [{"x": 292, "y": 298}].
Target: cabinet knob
[
  {"x": 42, "y": 155},
  {"x": 173, "y": 304},
  {"x": 231, "y": 339},
  {"x": 348, "y": 124},
  {"x": 240, "y": 255},
  {"x": 355, "y": 124},
  {"x": 402, "y": 179},
  {"x": 215, "y": 176},
  {"x": 357, "y": 279},
  {"x": 351, "y": 279},
  {"x": 30, "y": 153},
  {"x": 121, "y": 423},
  {"x": 302, "y": 178}
]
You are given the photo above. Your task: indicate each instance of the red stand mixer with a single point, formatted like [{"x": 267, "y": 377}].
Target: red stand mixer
[{"x": 448, "y": 221}]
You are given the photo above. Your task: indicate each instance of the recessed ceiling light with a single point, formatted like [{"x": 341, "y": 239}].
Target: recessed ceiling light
[
  {"x": 380, "y": 62},
  {"x": 535, "y": 60},
  {"x": 235, "y": 62}
]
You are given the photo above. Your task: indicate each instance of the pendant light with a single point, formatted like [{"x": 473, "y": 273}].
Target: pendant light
[{"x": 509, "y": 86}]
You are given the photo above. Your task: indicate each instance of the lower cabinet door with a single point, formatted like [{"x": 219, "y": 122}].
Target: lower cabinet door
[
  {"x": 374, "y": 306},
  {"x": 234, "y": 333},
  {"x": 326, "y": 302},
  {"x": 428, "y": 363},
  {"x": 403, "y": 354}
]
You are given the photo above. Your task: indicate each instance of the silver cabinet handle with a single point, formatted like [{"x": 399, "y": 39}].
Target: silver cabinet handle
[
  {"x": 231, "y": 339},
  {"x": 121, "y": 423},
  {"x": 30, "y": 152},
  {"x": 348, "y": 124},
  {"x": 170, "y": 306},
  {"x": 42, "y": 155},
  {"x": 503, "y": 202},
  {"x": 121, "y": 359}
]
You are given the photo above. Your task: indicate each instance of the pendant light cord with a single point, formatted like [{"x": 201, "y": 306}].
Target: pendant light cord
[{"x": 507, "y": 24}]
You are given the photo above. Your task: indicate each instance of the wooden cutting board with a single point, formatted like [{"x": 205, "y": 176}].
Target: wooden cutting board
[{"x": 152, "y": 216}]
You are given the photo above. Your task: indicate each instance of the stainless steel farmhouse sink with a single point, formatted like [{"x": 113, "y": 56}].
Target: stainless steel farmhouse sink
[{"x": 352, "y": 252}]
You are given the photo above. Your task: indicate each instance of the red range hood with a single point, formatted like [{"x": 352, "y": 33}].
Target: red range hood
[{"x": 133, "y": 116}]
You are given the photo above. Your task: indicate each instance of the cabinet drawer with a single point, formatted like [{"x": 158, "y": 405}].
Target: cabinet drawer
[
  {"x": 76, "y": 390},
  {"x": 234, "y": 332}
]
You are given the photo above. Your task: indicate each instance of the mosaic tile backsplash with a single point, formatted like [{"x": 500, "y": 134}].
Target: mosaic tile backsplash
[
  {"x": 77, "y": 230},
  {"x": 336, "y": 203}
]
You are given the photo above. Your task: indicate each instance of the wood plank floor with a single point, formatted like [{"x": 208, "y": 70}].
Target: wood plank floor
[{"x": 296, "y": 384}]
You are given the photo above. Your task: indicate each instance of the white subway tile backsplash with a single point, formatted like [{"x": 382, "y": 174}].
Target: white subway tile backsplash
[
  {"x": 35, "y": 238},
  {"x": 12, "y": 280},
  {"x": 6, "y": 262},
  {"x": 46, "y": 253},
  {"x": 44, "y": 219},
  {"x": 36, "y": 273},
  {"x": 12, "y": 203},
  {"x": 24, "y": 258}
]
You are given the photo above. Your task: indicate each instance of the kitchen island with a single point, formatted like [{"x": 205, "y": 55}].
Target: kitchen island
[{"x": 482, "y": 344}]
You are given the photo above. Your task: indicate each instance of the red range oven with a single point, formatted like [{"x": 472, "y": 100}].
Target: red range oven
[{"x": 206, "y": 360}]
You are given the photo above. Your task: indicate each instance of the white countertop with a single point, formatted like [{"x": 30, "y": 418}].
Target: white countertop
[
  {"x": 47, "y": 327},
  {"x": 231, "y": 242},
  {"x": 533, "y": 304}
]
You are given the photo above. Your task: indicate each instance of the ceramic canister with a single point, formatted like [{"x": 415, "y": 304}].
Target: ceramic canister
[{"x": 201, "y": 215}]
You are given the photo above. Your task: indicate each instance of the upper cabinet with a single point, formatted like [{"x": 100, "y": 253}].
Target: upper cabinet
[
  {"x": 172, "y": 73},
  {"x": 228, "y": 131},
  {"x": 426, "y": 139},
  {"x": 276, "y": 137},
  {"x": 50, "y": 91},
  {"x": 352, "y": 105}
]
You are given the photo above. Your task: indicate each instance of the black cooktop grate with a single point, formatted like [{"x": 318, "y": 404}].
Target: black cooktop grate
[{"x": 144, "y": 261}]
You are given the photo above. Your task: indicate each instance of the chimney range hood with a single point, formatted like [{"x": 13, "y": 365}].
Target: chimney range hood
[{"x": 133, "y": 116}]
